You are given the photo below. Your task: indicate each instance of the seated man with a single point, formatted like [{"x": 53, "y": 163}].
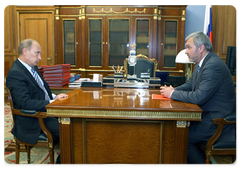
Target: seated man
[
  {"x": 31, "y": 92},
  {"x": 211, "y": 87}
]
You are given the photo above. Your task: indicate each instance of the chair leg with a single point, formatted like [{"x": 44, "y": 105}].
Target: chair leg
[
  {"x": 17, "y": 150},
  {"x": 207, "y": 160},
  {"x": 28, "y": 154},
  {"x": 51, "y": 153}
]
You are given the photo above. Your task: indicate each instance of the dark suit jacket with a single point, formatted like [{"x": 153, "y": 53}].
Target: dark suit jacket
[
  {"x": 26, "y": 94},
  {"x": 212, "y": 89}
]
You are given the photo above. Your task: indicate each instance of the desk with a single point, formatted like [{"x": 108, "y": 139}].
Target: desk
[{"x": 119, "y": 125}]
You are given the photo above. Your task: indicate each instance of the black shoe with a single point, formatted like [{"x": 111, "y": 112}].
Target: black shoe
[{"x": 58, "y": 161}]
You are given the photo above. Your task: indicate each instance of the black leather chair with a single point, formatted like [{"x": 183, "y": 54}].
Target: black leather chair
[
  {"x": 217, "y": 145},
  {"x": 144, "y": 65},
  {"x": 45, "y": 138}
]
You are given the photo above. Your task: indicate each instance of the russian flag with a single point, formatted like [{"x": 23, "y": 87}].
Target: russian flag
[{"x": 207, "y": 29}]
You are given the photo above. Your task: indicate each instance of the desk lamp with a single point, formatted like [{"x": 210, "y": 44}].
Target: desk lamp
[{"x": 183, "y": 58}]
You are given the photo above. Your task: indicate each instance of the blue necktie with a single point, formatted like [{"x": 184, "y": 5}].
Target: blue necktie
[
  {"x": 198, "y": 68},
  {"x": 37, "y": 78}
]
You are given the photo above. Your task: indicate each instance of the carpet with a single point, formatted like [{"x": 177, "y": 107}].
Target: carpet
[{"x": 39, "y": 155}]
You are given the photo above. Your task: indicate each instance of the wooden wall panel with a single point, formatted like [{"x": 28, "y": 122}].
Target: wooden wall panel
[
  {"x": 39, "y": 26},
  {"x": 10, "y": 49},
  {"x": 8, "y": 61},
  {"x": 7, "y": 29},
  {"x": 224, "y": 29}
]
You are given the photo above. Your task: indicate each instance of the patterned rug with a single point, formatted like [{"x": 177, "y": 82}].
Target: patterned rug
[{"x": 39, "y": 155}]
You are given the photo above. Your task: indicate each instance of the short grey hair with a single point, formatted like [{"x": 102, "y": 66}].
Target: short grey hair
[
  {"x": 27, "y": 43},
  {"x": 200, "y": 38}
]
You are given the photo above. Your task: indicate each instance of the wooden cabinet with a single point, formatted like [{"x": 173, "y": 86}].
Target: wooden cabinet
[
  {"x": 101, "y": 36},
  {"x": 171, "y": 29},
  {"x": 68, "y": 30},
  {"x": 109, "y": 38}
]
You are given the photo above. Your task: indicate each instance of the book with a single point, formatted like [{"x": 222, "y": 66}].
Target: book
[
  {"x": 61, "y": 81},
  {"x": 54, "y": 67},
  {"x": 159, "y": 97},
  {"x": 62, "y": 78},
  {"x": 57, "y": 84},
  {"x": 56, "y": 71},
  {"x": 56, "y": 75},
  {"x": 75, "y": 84}
]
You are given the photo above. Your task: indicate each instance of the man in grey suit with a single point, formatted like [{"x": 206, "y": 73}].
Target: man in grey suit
[
  {"x": 30, "y": 92},
  {"x": 211, "y": 88}
]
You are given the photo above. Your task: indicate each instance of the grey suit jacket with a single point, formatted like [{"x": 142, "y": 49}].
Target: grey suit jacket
[
  {"x": 212, "y": 89},
  {"x": 26, "y": 94}
]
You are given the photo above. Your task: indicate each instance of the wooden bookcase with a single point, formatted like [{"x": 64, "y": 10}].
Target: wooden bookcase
[{"x": 102, "y": 35}]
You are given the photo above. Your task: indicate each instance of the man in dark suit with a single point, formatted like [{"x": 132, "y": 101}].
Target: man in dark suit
[
  {"x": 28, "y": 94},
  {"x": 211, "y": 87}
]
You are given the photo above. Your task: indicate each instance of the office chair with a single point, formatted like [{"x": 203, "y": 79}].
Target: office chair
[
  {"x": 45, "y": 138},
  {"x": 144, "y": 65},
  {"x": 220, "y": 147}
]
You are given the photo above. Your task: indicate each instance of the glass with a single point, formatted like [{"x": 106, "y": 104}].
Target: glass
[
  {"x": 69, "y": 42},
  {"x": 118, "y": 41},
  {"x": 170, "y": 43},
  {"x": 95, "y": 42},
  {"x": 142, "y": 37}
]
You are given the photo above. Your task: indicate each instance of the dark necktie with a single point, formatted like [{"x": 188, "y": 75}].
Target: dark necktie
[
  {"x": 37, "y": 78},
  {"x": 198, "y": 68}
]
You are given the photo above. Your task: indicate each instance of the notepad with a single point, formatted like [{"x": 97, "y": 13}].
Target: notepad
[{"x": 159, "y": 97}]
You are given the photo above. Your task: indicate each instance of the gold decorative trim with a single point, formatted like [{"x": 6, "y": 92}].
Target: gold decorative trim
[
  {"x": 65, "y": 121},
  {"x": 57, "y": 14},
  {"x": 80, "y": 14},
  {"x": 183, "y": 124},
  {"x": 183, "y": 12},
  {"x": 50, "y": 145},
  {"x": 120, "y": 114},
  {"x": 126, "y": 11}
]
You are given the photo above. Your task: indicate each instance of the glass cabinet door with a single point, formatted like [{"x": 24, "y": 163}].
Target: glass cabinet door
[
  {"x": 95, "y": 42},
  {"x": 170, "y": 43},
  {"x": 142, "y": 36},
  {"x": 69, "y": 42},
  {"x": 118, "y": 46}
]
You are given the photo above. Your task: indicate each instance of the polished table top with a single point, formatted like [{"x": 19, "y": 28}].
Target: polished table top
[{"x": 121, "y": 102}]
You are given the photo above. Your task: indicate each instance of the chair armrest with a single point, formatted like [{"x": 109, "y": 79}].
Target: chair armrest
[
  {"x": 32, "y": 112},
  {"x": 220, "y": 122},
  {"x": 223, "y": 121},
  {"x": 29, "y": 113}
]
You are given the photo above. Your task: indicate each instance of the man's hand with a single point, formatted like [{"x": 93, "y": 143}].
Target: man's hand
[
  {"x": 166, "y": 91},
  {"x": 60, "y": 96}
]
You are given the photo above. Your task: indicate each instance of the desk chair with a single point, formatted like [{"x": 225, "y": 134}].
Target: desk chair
[
  {"x": 45, "y": 138},
  {"x": 218, "y": 147},
  {"x": 144, "y": 65}
]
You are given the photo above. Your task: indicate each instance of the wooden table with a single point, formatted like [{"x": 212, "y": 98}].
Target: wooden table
[{"x": 120, "y": 125}]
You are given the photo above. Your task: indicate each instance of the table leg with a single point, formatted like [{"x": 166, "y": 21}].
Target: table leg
[{"x": 65, "y": 140}]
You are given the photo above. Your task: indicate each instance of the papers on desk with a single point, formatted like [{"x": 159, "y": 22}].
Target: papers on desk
[
  {"x": 78, "y": 83},
  {"x": 159, "y": 97}
]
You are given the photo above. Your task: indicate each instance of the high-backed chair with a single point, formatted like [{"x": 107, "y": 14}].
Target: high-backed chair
[
  {"x": 144, "y": 65},
  {"x": 45, "y": 138},
  {"x": 216, "y": 146}
]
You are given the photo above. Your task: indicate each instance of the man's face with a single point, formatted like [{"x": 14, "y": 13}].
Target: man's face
[
  {"x": 33, "y": 55},
  {"x": 192, "y": 51}
]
